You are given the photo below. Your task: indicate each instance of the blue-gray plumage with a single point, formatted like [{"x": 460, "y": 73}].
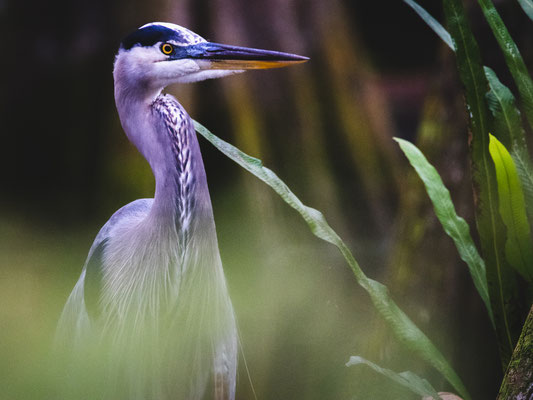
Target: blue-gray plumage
[{"x": 152, "y": 296}]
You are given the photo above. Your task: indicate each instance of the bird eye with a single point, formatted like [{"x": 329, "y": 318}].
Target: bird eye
[{"x": 167, "y": 48}]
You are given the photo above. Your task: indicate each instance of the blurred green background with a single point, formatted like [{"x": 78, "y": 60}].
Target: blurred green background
[{"x": 326, "y": 127}]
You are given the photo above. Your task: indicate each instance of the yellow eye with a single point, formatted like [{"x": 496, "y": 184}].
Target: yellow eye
[{"x": 167, "y": 48}]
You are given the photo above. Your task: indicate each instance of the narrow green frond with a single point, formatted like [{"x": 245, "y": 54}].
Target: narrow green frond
[
  {"x": 454, "y": 226},
  {"x": 490, "y": 227},
  {"x": 512, "y": 55},
  {"x": 432, "y": 22},
  {"x": 518, "y": 248},
  {"x": 404, "y": 329},
  {"x": 508, "y": 129},
  {"x": 527, "y": 6},
  {"x": 408, "y": 379},
  {"x": 524, "y": 168},
  {"x": 506, "y": 115}
]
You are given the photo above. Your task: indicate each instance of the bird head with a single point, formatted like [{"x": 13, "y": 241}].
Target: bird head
[{"x": 159, "y": 54}]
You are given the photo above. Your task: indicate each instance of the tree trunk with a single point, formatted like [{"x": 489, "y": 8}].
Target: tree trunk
[{"x": 518, "y": 381}]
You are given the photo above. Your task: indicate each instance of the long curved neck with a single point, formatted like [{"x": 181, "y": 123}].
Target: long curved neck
[{"x": 163, "y": 133}]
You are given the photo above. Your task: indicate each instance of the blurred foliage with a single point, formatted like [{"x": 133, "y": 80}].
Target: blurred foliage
[
  {"x": 501, "y": 179},
  {"x": 326, "y": 127}
]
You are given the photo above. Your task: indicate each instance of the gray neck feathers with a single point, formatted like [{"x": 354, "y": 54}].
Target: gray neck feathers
[{"x": 164, "y": 134}]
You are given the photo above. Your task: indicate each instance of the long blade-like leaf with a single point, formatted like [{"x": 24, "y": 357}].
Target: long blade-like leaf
[
  {"x": 518, "y": 249},
  {"x": 490, "y": 227},
  {"x": 512, "y": 55},
  {"x": 455, "y": 226},
  {"x": 432, "y": 22},
  {"x": 527, "y": 6},
  {"x": 404, "y": 329},
  {"x": 506, "y": 116},
  {"x": 502, "y": 105},
  {"x": 508, "y": 129},
  {"x": 408, "y": 379}
]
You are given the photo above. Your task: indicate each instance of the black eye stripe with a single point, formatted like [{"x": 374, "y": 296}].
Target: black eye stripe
[{"x": 151, "y": 35}]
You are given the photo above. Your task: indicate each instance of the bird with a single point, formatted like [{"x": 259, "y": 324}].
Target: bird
[{"x": 150, "y": 316}]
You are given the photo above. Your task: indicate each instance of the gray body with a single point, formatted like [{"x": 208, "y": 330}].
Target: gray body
[
  {"x": 150, "y": 317},
  {"x": 158, "y": 277}
]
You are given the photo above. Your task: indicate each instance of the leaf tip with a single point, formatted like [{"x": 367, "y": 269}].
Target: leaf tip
[{"x": 354, "y": 360}]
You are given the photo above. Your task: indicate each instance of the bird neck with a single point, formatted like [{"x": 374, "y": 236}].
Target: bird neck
[{"x": 164, "y": 134}]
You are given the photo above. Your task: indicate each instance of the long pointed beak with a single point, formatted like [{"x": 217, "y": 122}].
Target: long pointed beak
[{"x": 227, "y": 57}]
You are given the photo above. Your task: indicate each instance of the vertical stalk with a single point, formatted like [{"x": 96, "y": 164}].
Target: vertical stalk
[{"x": 518, "y": 381}]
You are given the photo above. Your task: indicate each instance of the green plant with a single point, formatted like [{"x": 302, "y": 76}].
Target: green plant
[
  {"x": 502, "y": 174},
  {"x": 403, "y": 328},
  {"x": 501, "y": 170}
]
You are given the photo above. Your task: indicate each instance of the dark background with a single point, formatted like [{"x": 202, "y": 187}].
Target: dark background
[{"x": 326, "y": 127}]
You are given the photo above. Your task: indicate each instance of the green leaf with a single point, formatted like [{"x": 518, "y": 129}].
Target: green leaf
[
  {"x": 490, "y": 226},
  {"x": 527, "y": 6},
  {"x": 508, "y": 129},
  {"x": 408, "y": 379},
  {"x": 455, "y": 226},
  {"x": 512, "y": 55},
  {"x": 512, "y": 208},
  {"x": 432, "y": 22},
  {"x": 506, "y": 115},
  {"x": 525, "y": 173},
  {"x": 404, "y": 329}
]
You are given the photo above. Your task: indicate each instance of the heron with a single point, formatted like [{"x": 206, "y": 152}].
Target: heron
[{"x": 152, "y": 297}]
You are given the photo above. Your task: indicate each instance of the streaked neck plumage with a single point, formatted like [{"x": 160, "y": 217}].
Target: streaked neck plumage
[{"x": 164, "y": 134}]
